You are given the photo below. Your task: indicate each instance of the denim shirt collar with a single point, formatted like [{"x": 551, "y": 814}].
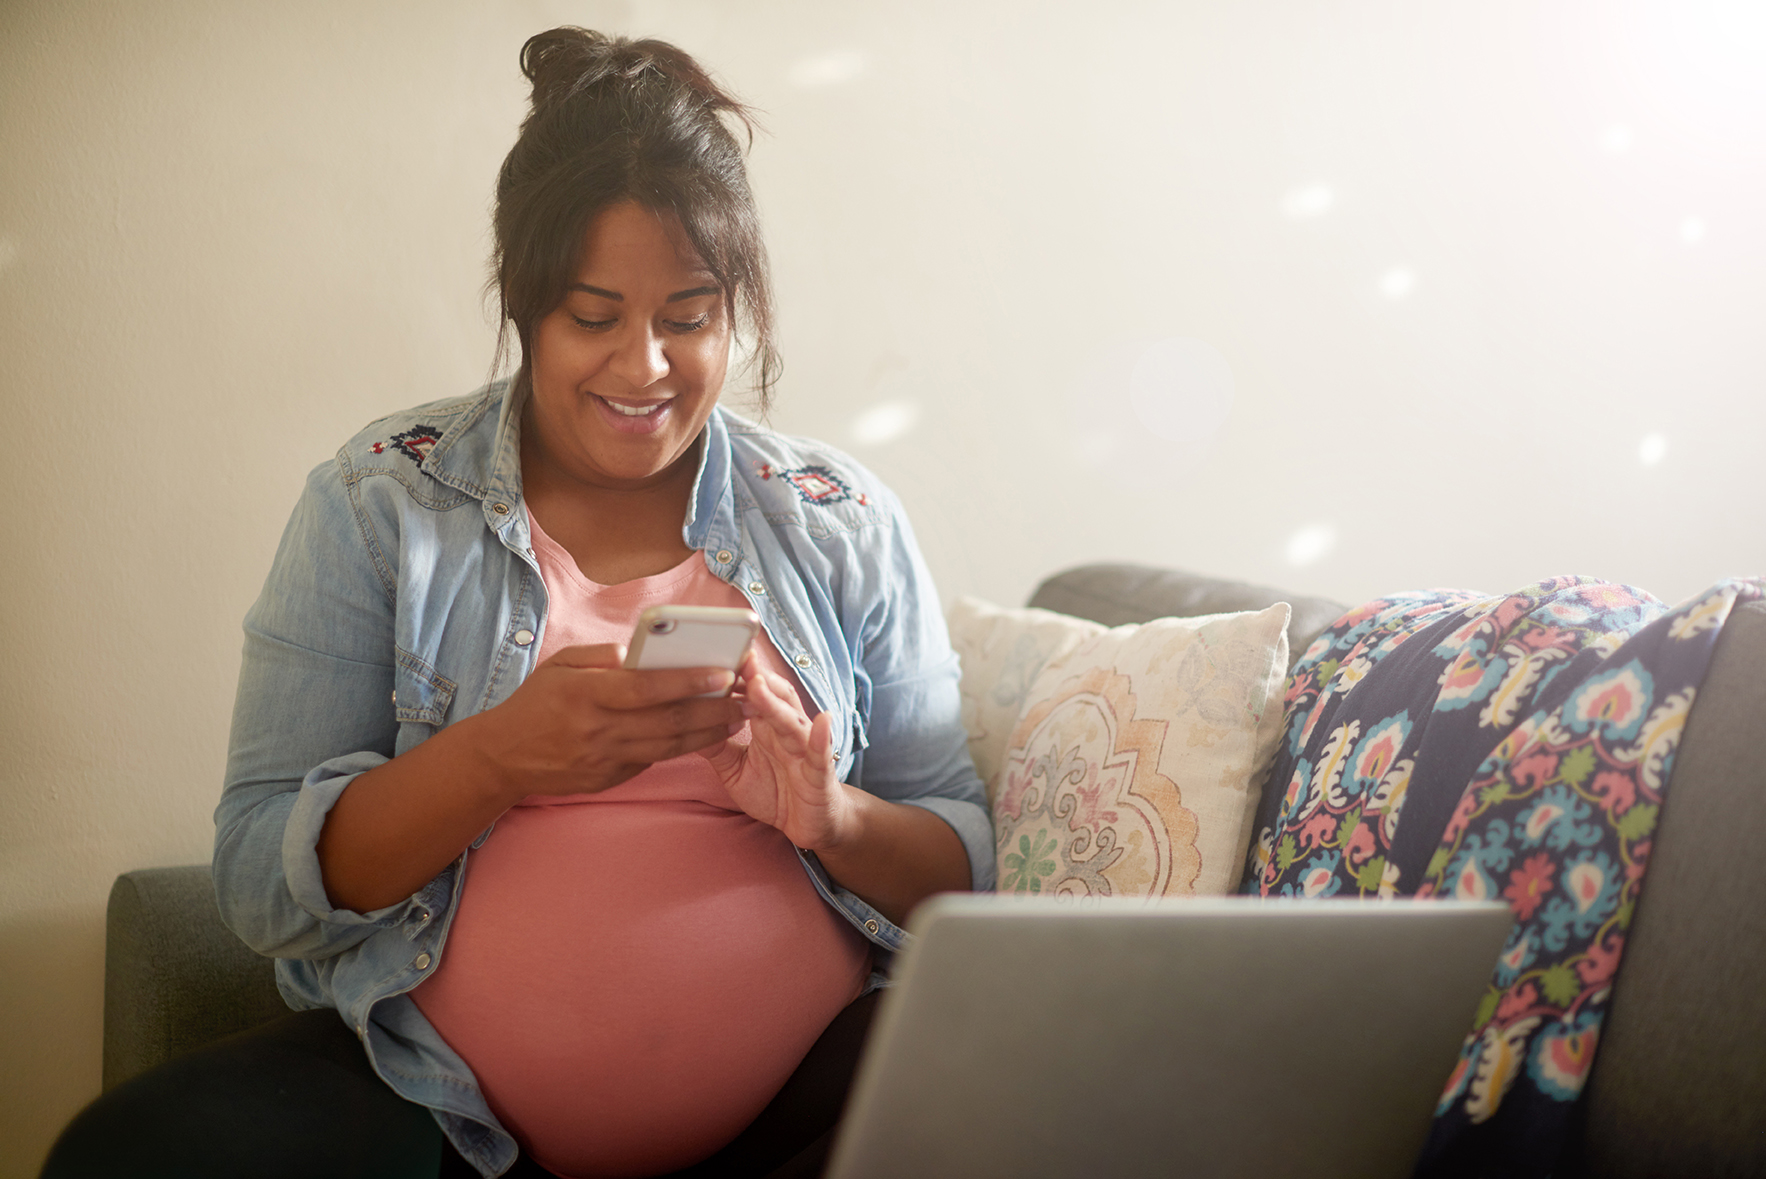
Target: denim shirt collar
[
  {"x": 487, "y": 466},
  {"x": 711, "y": 514}
]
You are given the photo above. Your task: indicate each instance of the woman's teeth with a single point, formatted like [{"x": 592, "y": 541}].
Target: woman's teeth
[{"x": 636, "y": 411}]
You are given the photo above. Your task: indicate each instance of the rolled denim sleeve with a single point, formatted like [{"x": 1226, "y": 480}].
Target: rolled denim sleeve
[
  {"x": 917, "y": 749},
  {"x": 313, "y": 710}
]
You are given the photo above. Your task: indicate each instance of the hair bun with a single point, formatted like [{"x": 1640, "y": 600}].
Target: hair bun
[
  {"x": 561, "y": 62},
  {"x": 568, "y": 61}
]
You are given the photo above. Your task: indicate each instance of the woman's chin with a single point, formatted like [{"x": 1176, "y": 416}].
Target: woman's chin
[{"x": 634, "y": 460}]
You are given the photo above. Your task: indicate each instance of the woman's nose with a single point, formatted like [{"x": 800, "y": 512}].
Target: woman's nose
[{"x": 639, "y": 360}]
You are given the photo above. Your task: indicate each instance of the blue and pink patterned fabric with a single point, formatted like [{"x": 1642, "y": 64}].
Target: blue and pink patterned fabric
[{"x": 1516, "y": 748}]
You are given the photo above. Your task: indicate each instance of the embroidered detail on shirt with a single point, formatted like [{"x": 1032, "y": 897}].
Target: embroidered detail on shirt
[
  {"x": 415, "y": 443},
  {"x": 817, "y": 485}
]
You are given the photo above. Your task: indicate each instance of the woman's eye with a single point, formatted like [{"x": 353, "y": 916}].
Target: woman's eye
[
  {"x": 593, "y": 325},
  {"x": 689, "y": 325}
]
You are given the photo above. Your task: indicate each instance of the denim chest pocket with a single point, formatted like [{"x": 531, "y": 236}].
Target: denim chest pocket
[{"x": 420, "y": 695}]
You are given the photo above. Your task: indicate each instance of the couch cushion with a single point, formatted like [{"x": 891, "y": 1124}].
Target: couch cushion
[
  {"x": 175, "y": 977},
  {"x": 1133, "y": 761}
]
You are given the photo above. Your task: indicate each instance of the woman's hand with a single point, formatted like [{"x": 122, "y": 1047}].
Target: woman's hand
[
  {"x": 578, "y": 725},
  {"x": 891, "y": 854},
  {"x": 784, "y": 775},
  {"x": 582, "y": 723}
]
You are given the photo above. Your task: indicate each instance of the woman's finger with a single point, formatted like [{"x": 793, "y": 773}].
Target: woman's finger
[
  {"x": 821, "y": 738},
  {"x": 631, "y": 690},
  {"x": 592, "y": 655},
  {"x": 766, "y": 703},
  {"x": 675, "y": 717},
  {"x": 782, "y": 695},
  {"x": 650, "y": 750}
]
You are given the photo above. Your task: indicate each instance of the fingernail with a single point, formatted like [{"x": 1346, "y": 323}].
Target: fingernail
[
  {"x": 736, "y": 727},
  {"x": 716, "y": 681}
]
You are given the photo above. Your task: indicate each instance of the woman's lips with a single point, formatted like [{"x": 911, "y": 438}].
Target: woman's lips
[{"x": 633, "y": 417}]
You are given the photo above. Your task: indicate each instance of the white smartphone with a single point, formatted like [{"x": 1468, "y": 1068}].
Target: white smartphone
[{"x": 692, "y": 636}]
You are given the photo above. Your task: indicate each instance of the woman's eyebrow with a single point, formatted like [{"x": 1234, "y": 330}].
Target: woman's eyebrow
[{"x": 693, "y": 293}]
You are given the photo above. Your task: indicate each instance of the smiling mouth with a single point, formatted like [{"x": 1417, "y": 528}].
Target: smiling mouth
[{"x": 631, "y": 411}]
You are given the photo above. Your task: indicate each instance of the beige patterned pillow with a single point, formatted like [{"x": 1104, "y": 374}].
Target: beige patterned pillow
[
  {"x": 1138, "y": 756},
  {"x": 1002, "y": 651}
]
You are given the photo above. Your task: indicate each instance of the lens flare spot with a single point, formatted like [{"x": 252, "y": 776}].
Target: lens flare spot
[
  {"x": 1692, "y": 230},
  {"x": 1312, "y": 543},
  {"x": 826, "y": 69},
  {"x": 1308, "y": 200},
  {"x": 884, "y": 422},
  {"x": 1652, "y": 450},
  {"x": 1397, "y": 282}
]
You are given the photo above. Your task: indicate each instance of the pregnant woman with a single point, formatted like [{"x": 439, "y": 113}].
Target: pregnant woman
[{"x": 538, "y": 914}]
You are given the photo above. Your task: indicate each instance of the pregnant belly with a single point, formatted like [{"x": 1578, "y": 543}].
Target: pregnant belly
[{"x": 632, "y": 982}]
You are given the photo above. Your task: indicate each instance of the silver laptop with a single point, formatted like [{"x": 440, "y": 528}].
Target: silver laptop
[{"x": 1032, "y": 1037}]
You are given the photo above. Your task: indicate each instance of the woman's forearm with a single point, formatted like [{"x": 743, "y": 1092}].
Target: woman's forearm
[
  {"x": 578, "y": 724},
  {"x": 396, "y": 826},
  {"x": 899, "y": 856}
]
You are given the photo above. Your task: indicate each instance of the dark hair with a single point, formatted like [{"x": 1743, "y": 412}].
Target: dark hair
[{"x": 616, "y": 120}]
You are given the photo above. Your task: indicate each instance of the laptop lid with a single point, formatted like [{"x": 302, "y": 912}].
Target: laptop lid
[{"x": 1033, "y": 1037}]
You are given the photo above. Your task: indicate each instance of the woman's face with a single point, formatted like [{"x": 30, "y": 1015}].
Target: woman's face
[{"x": 628, "y": 367}]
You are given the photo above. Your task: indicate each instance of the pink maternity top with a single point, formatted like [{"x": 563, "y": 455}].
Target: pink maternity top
[{"x": 632, "y": 975}]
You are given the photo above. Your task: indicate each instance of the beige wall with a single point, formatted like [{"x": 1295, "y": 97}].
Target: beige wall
[{"x": 1467, "y": 268}]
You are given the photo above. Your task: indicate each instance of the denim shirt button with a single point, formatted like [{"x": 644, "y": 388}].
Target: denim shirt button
[
  {"x": 423, "y": 960},
  {"x": 803, "y": 661},
  {"x": 725, "y": 556},
  {"x": 755, "y": 587},
  {"x": 523, "y": 637},
  {"x": 395, "y": 696},
  {"x": 500, "y": 509},
  {"x": 871, "y": 926}
]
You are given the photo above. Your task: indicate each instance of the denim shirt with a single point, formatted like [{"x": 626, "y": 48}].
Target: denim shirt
[{"x": 405, "y": 596}]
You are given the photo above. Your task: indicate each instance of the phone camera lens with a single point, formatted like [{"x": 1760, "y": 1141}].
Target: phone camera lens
[{"x": 662, "y": 626}]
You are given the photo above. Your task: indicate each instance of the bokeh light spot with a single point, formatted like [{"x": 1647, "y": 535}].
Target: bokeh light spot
[
  {"x": 884, "y": 422},
  {"x": 1308, "y": 200},
  {"x": 1397, "y": 282},
  {"x": 1311, "y": 544},
  {"x": 1692, "y": 230},
  {"x": 826, "y": 69},
  {"x": 1652, "y": 450}
]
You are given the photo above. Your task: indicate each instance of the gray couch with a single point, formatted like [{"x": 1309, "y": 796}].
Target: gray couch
[{"x": 1678, "y": 1088}]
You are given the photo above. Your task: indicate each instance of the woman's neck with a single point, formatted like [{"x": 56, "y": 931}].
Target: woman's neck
[{"x": 614, "y": 534}]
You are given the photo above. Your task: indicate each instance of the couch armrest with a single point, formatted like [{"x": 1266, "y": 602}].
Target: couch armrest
[
  {"x": 175, "y": 977},
  {"x": 1119, "y": 594},
  {"x": 1679, "y": 1083}
]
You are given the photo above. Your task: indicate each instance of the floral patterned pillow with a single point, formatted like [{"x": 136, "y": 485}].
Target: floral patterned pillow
[
  {"x": 1002, "y": 651},
  {"x": 1138, "y": 757}
]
